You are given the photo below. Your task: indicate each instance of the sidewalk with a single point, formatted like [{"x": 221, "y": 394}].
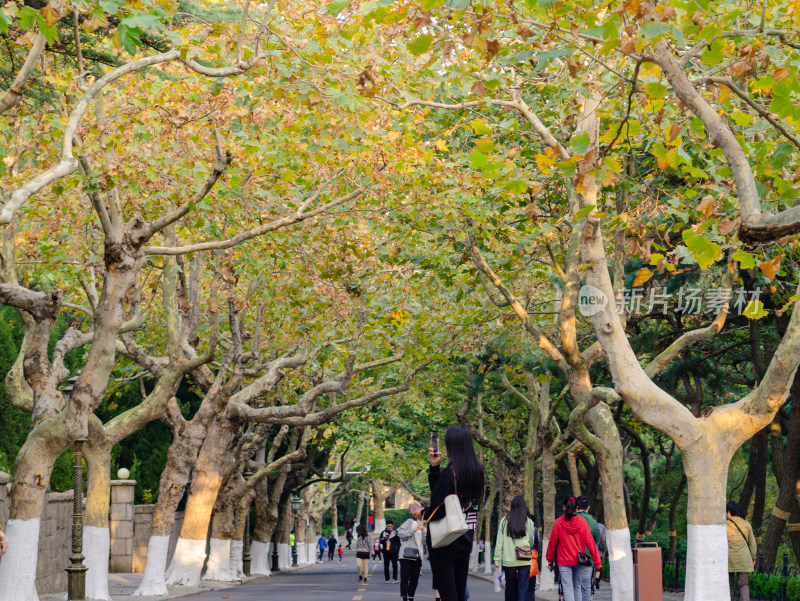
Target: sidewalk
[
  {"x": 604, "y": 594},
  {"x": 122, "y": 586}
]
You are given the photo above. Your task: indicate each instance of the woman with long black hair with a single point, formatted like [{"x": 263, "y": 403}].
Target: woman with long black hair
[
  {"x": 464, "y": 476},
  {"x": 516, "y": 536},
  {"x": 571, "y": 536}
]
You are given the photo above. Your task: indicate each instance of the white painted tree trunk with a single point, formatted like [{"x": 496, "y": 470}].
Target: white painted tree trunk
[
  {"x": 620, "y": 561},
  {"x": 187, "y": 562},
  {"x": 259, "y": 558},
  {"x": 236, "y": 565},
  {"x": 154, "y": 579},
  {"x": 473, "y": 558},
  {"x": 547, "y": 581},
  {"x": 96, "y": 547},
  {"x": 284, "y": 556},
  {"x": 311, "y": 553},
  {"x": 706, "y": 563},
  {"x": 487, "y": 557},
  {"x": 18, "y": 565},
  {"x": 380, "y": 526},
  {"x": 219, "y": 560}
]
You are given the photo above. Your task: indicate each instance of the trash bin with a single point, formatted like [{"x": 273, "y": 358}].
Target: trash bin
[{"x": 647, "y": 585}]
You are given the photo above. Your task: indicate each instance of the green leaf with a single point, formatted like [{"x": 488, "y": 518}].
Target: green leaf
[
  {"x": 754, "y": 310},
  {"x": 580, "y": 144},
  {"x": 420, "y": 45},
  {"x": 517, "y": 186},
  {"x": 5, "y": 21},
  {"x": 704, "y": 250},
  {"x": 479, "y": 127},
  {"x": 655, "y": 90},
  {"x": 334, "y": 8},
  {"x": 746, "y": 260},
  {"x": 654, "y": 29},
  {"x": 584, "y": 212},
  {"x": 741, "y": 119},
  {"x": 143, "y": 22},
  {"x": 129, "y": 38},
  {"x": 478, "y": 160}
]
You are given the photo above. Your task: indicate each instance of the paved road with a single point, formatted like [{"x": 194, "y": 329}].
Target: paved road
[{"x": 337, "y": 582}]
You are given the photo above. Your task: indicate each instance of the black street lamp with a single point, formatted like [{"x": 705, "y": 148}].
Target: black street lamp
[
  {"x": 275, "y": 567},
  {"x": 246, "y": 542},
  {"x": 76, "y": 572},
  {"x": 297, "y": 505}
]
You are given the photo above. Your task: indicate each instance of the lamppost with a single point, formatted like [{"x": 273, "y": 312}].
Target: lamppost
[
  {"x": 76, "y": 572},
  {"x": 297, "y": 505},
  {"x": 275, "y": 567},
  {"x": 246, "y": 542}
]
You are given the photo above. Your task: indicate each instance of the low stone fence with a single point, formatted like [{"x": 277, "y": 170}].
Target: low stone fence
[{"x": 130, "y": 527}]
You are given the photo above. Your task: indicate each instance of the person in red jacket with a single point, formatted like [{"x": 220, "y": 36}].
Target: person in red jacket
[{"x": 571, "y": 535}]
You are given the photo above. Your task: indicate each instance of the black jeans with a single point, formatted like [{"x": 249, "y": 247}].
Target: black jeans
[
  {"x": 450, "y": 574},
  {"x": 331, "y": 551},
  {"x": 409, "y": 577},
  {"x": 388, "y": 556}
]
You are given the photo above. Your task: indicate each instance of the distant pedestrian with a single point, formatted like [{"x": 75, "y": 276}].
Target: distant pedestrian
[
  {"x": 411, "y": 537},
  {"x": 376, "y": 550},
  {"x": 341, "y": 553},
  {"x": 603, "y": 548},
  {"x": 3, "y": 543},
  {"x": 481, "y": 549},
  {"x": 332, "y": 542},
  {"x": 362, "y": 554},
  {"x": 464, "y": 477},
  {"x": 349, "y": 536},
  {"x": 741, "y": 551},
  {"x": 371, "y": 522},
  {"x": 516, "y": 536},
  {"x": 568, "y": 538},
  {"x": 322, "y": 544},
  {"x": 390, "y": 549}
]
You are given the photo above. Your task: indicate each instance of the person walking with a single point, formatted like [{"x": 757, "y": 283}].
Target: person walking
[
  {"x": 362, "y": 553},
  {"x": 332, "y": 542},
  {"x": 582, "y": 510},
  {"x": 390, "y": 549},
  {"x": 376, "y": 550},
  {"x": 603, "y": 548},
  {"x": 3, "y": 543},
  {"x": 742, "y": 551},
  {"x": 516, "y": 536},
  {"x": 322, "y": 544},
  {"x": 411, "y": 549},
  {"x": 349, "y": 536},
  {"x": 341, "y": 553},
  {"x": 569, "y": 537},
  {"x": 464, "y": 476}
]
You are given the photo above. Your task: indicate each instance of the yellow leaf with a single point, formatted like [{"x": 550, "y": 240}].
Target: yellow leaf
[
  {"x": 441, "y": 145},
  {"x": 642, "y": 276}
]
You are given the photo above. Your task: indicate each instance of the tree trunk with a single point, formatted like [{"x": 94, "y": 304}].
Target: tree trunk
[
  {"x": 190, "y": 550},
  {"x": 262, "y": 531},
  {"x": 788, "y": 480},
  {"x": 181, "y": 457},
  {"x": 334, "y": 520},
  {"x": 361, "y": 497},
  {"x": 32, "y": 471},
  {"x": 706, "y": 465},
  {"x": 223, "y": 530},
  {"x": 379, "y": 505},
  {"x": 96, "y": 535},
  {"x": 513, "y": 484}
]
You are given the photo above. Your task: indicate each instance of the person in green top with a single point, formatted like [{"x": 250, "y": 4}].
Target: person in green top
[
  {"x": 582, "y": 510},
  {"x": 516, "y": 531}
]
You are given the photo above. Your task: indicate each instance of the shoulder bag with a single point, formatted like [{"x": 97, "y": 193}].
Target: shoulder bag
[
  {"x": 583, "y": 558},
  {"x": 449, "y": 528}
]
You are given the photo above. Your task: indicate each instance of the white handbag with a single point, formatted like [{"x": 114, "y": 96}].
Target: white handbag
[{"x": 449, "y": 528}]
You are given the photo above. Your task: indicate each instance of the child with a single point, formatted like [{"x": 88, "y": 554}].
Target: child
[{"x": 341, "y": 552}]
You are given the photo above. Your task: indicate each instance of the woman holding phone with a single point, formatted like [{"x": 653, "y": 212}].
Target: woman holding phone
[{"x": 464, "y": 476}]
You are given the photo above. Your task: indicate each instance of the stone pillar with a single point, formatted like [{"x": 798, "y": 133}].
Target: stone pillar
[{"x": 121, "y": 525}]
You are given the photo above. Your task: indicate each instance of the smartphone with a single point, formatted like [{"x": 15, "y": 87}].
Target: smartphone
[{"x": 435, "y": 442}]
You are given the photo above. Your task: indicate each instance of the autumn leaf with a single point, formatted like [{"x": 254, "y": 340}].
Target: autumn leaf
[
  {"x": 628, "y": 46},
  {"x": 706, "y": 205},
  {"x": 754, "y": 310},
  {"x": 726, "y": 227},
  {"x": 573, "y": 67},
  {"x": 492, "y": 47},
  {"x": 705, "y": 252},
  {"x": 642, "y": 276},
  {"x": 746, "y": 260},
  {"x": 479, "y": 89},
  {"x": 441, "y": 145},
  {"x": 771, "y": 268}
]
